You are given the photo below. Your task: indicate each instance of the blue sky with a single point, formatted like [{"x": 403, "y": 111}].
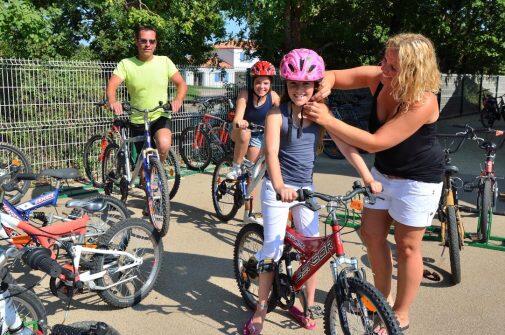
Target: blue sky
[{"x": 232, "y": 27}]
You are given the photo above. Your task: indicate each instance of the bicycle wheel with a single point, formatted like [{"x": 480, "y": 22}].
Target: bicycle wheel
[
  {"x": 194, "y": 148},
  {"x": 249, "y": 241},
  {"x": 226, "y": 194},
  {"x": 30, "y": 309},
  {"x": 158, "y": 200},
  {"x": 485, "y": 210},
  {"x": 113, "y": 168},
  {"x": 92, "y": 157},
  {"x": 453, "y": 243},
  {"x": 218, "y": 149},
  {"x": 84, "y": 328},
  {"x": 361, "y": 309},
  {"x": 488, "y": 117},
  {"x": 114, "y": 212},
  {"x": 173, "y": 170},
  {"x": 132, "y": 285},
  {"x": 12, "y": 160}
]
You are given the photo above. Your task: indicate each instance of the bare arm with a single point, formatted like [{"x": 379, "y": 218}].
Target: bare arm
[
  {"x": 273, "y": 123},
  {"x": 240, "y": 110},
  {"x": 390, "y": 134},
  {"x": 181, "y": 89},
  {"x": 276, "y": 100},
  {"x": 111, "y": 90}
]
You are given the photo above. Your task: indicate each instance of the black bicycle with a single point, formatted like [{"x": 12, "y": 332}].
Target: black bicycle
[{"x": 492, "y": 110}]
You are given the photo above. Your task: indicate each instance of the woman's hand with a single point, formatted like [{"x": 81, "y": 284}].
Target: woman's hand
[
  {"x": 325, "y": 87},
  {"x": 242, "y": 124},
  {"x": 287, "y": 194},
  {"x": 317, "y": 112},
  {"x": 375, "y": 186},
  {"x": 499, "y": 133}
]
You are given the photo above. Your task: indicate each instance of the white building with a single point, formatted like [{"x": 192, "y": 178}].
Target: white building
[{"x": 230, "y": 57}]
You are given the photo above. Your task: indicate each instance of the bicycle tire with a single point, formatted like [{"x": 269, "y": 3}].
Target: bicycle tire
[
  {"x": 112, "y": 169},
  {"x": 222, "y": 187},
  {"x": 200, "y": 160},
  {"x": 488, "y": 117},
  {"x": 92, "y": 169},
  {"x": 485, "y": 210},
  {"x": 159, "y": 218},
  {"x": 369, "y": 299},
  {"x": 5, "y": 168},
  {"x": 238, "y": 266},
  {"x": 173, "y": 170},
  {"x": 218, "y": 149},
  {"x": 82, "y": 328},
  {"x": 26, "y": 299},
  {"x": 453, "y": 241},
  {"x": 104, "y": 215},
  {"x": 107, "y": 241}
]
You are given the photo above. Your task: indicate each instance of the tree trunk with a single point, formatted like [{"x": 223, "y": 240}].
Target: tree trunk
[{"x": 292, "y": 25}]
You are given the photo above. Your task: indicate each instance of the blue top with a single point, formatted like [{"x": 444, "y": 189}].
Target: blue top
[
  {"x": 258, "y": 114},
  {"x": 297, "y": 154}
]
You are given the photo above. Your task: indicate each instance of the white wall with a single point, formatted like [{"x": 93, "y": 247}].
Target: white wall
[
  {"x": 226, "y": 55},
  {"x": 242, "y": 64}
]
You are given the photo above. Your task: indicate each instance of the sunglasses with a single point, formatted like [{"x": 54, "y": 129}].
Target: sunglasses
[{"x": 144, "y": 41}]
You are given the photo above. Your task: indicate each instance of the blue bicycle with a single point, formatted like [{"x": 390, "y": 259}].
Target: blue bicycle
[{"x": 117, "y": 170}]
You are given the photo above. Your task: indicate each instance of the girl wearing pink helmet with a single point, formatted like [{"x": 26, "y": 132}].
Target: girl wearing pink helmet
[{"x": 290, "y": 148}]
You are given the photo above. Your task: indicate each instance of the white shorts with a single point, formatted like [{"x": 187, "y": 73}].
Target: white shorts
[
  {"x": 275, "y": 218},
  {"x": 409, "y": 202}
]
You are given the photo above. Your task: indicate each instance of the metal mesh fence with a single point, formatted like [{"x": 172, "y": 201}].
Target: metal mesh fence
[{"x": 47, "y": 107}]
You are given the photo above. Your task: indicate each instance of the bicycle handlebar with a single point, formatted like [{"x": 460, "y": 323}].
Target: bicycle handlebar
[
  {"x": 253, "y": 127},
  {"x": 166, "y": 107},
  {"x": 469, "y": 133},
  {"x": 40, "y": 259}
]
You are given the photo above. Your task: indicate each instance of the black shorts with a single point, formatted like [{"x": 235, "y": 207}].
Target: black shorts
[{"x": 138, "y": 130}]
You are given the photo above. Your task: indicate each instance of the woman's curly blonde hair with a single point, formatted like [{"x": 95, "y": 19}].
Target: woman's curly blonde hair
[{"x": 418, "y": 71}]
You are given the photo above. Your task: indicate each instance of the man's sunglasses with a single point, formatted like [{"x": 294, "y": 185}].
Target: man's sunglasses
[{"x": 144, "y": 41}]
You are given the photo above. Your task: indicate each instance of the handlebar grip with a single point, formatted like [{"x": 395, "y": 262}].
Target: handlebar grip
[
  {"x": 40, "y": 259},
  {"x": 300, "y": 195},
  {"x": 27, "y": 176}
]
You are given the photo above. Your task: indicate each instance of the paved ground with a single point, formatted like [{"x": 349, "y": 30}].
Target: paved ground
[{"x": 196, "y": 292}]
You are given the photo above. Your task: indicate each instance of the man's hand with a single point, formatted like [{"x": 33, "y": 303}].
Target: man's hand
[
  {"x": 176, "y": 105},
  {"x": 116, "y": 107}
]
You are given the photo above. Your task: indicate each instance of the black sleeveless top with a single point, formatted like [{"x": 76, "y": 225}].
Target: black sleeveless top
[
  {"x": 257, "y": 114},
  {"x": 419, "y": 157}
]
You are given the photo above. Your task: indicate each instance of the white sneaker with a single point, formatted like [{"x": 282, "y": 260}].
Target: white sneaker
[
  {"x": 255, "y": 218},
  {"x": 235, "y": 172}
]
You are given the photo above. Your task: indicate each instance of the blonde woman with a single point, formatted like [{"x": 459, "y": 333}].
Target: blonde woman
[{"x": 408, "y": 160}]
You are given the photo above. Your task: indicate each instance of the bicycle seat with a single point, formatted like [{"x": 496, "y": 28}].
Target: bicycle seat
[
  {"x": 488, "y": 146},
  {"x": 69, "y": 173},
  {"x": 451, "y": 169},
  {"x": 95, "y": 205}
]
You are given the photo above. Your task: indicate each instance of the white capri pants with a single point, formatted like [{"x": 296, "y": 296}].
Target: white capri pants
[{"x": 275, "y": 218}]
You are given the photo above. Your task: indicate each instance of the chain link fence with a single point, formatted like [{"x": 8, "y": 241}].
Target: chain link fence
[{"x": 47, "y": 107}]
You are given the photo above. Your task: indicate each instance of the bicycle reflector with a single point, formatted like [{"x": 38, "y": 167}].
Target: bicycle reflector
[
  {"x": 356, "y": 204},
  {"x": 21, "y": 240},
  {"x": 368, "y": 304}
]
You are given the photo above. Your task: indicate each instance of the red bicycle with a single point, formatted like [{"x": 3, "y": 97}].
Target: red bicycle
[
  {"x": 353, "y": 305},
  {"x": 209, "y": 140}
]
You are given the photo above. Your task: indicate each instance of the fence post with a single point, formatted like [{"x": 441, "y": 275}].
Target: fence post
[
  {"x": 462, "y": 95},
  {"x": 497, "y": 85},
  {"x": 480, "y": 92}
]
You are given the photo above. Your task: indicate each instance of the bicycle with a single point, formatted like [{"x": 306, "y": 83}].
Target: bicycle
[
  {"x": 94, "y": 153},
  {"x": 99, "y": 260},
  {"x": 205, "y": 142},
  {"x": 111, "y": 210},
  {"x": 12, "y": 158},
  {"x": 352, "y": 298},
  {"x": 116, "y": 171},
  {"x": 492, "y": 110},
  {"x": 21, "y": 310},
  {"x": 228, "y": 195}
]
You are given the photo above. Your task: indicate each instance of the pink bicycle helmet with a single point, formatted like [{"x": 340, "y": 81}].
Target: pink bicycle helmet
[{"x": 302, "y": 65}]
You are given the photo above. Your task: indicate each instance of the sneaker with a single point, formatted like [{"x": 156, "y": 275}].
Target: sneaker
[
  {"x": 255, "y": 218},
  {"x": 235, "y": 172}
]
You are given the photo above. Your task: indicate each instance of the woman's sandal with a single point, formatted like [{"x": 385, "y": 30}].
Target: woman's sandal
[
  {"x": 301, "y": 318},
  {"x": 378, "y": 326}
]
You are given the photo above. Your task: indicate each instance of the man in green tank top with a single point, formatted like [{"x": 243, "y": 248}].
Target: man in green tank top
[{"x": 146, "y": 77}]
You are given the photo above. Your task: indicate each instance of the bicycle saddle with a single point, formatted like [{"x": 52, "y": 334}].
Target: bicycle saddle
[
  {"x": 488, "y": 146},
  {"x": 451, "y": 169},
  {"x": 69, "y": 173},
  {"x": 95, "y": 205}
]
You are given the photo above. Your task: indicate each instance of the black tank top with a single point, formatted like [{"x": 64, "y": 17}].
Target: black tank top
[
  {"x": 257, "y": 114},
  {"x": 419, "y": 157}
]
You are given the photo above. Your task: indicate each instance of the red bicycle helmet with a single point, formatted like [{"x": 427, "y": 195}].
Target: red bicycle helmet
[{"x": 262, "y": 68}]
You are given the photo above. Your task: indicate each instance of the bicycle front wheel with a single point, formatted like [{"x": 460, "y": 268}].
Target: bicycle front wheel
[
  {"x": 361, "y": 310},
  {"x": 92, "y": 158},
  {"x": 485, "y": 209},
  {"x": 132, "y": 285},
  {"x": 226, "y": 194},
  {"x": 14, "y": 160},
  {"x": 173, "y": 171},
  {"x": 30, "y": 309},
  {"x": 488, "y": 117},
  {"x": 158, "y": 199},
  {"x": 194, "y": 148},
  {"x": 453, "y": 241}
]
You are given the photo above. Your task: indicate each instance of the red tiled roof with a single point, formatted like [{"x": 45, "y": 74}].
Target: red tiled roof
[
  {"x": 217, "y": 62},
  {"x": 235, "y": 44}
]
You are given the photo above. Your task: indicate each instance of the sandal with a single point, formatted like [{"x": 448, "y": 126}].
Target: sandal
[
  {"x": 250, "y": 329},
  {"x": 300, "y": 317},
  {"x": 378, "y": 326}
]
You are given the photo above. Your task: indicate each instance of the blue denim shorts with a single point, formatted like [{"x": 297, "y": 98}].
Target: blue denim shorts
[{"x": 256, "y": 140}]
